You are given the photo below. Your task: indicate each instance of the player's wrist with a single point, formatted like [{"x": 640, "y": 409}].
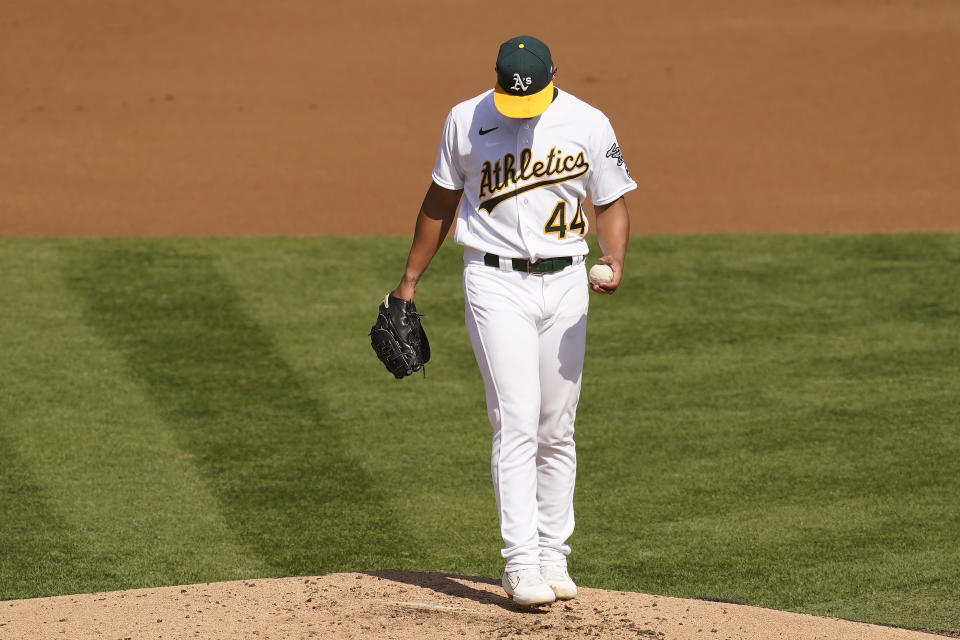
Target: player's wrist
[
  {"x": 406, "y": 289},
  {"x": 615, "y": 261}
]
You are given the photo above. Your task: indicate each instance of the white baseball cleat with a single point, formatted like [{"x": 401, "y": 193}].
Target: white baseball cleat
[
  {"x": 559, "y": 580},
  {"x": 527, "y": 587}
]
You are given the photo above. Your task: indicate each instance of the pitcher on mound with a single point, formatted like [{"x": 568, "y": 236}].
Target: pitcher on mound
[{"x": 515, "y": 166}]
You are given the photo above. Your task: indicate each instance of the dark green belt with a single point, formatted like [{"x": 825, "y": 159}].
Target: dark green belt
[{"x": 547, "y": 265}]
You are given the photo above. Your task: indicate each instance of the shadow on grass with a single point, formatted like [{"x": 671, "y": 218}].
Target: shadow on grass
[{"x": 253, "y": 428}]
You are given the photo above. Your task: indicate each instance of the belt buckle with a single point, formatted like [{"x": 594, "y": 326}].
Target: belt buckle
[{"x": 533, "y": 268}]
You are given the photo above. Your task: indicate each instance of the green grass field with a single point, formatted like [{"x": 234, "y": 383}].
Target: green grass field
[{"x": 765, "y": 419}]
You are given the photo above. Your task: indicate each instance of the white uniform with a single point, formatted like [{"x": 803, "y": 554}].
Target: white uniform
[{"x": 524, "y": 182}]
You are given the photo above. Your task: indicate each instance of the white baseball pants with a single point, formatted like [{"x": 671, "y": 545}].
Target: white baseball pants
[{"x": 528, "y": 334}]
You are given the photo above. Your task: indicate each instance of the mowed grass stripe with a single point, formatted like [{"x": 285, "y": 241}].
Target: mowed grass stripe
[
  {"x": 101, "y": 494},
  {"x": 38, "y": 551},
  {"x": 262, "y": 442},
  {"x": 423, "y": 441},
  {"x": 769, "y": 419},
  {"x": 785, "y": 424}
]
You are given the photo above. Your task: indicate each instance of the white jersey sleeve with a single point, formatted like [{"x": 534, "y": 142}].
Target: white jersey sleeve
[
  {"x": 609, "y": 178},
  {"x": 446, "y": 171}
]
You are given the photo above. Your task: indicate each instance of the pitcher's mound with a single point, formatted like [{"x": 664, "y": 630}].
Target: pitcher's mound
[{"x": 403, "y": 605}]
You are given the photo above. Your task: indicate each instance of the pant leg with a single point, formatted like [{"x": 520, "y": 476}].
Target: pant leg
[
  {"x": 562, "y": 345},
  {"x": 502, "y": 317}
]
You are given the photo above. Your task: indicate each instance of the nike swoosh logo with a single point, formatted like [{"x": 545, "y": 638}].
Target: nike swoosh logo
[{"x": 484, "y": 132}]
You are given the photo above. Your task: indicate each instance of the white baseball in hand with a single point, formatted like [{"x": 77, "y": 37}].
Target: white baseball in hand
[{"x": 600, "y": 274}]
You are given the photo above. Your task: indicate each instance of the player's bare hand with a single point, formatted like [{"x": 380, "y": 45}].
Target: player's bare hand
[{"x": 607, "y": 288}]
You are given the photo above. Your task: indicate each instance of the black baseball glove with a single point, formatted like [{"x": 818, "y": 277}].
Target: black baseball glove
[{"x": 398, "y": 338}]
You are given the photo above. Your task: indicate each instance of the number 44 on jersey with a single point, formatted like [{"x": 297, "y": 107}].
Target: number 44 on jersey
[{"x": 558, "y": 221}]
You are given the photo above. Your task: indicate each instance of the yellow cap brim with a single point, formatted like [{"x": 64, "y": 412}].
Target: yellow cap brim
[{"x": 522, "y": 106}]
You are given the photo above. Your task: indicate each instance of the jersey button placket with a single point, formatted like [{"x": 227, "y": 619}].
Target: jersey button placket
[
  {"x": 523, "y": 141},
  {"x": 529, "y": 220},
  {"x": 523, "y": 203}
]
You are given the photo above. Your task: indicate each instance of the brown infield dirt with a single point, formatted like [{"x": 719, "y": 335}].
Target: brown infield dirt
[
  {"x": 400, "y": 605},
  {"x": 302, "y": 117}
]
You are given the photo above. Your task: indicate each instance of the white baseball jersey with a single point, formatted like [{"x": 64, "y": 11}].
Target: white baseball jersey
[{"x": 524, "y": 181}]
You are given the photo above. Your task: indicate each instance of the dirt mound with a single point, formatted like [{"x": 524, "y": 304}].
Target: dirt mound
[{"x": 403, "y": 605}]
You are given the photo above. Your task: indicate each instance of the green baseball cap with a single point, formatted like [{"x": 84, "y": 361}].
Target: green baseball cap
[{"x": 524, "y": 78}]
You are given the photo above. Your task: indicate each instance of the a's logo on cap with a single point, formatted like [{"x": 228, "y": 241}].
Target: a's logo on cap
[
  {"x": 524, "y": 78},
  {"x": 521, "y": 84}
]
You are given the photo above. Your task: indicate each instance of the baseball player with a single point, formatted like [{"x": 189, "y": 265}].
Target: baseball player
[{"x": 514, "y": 168}]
